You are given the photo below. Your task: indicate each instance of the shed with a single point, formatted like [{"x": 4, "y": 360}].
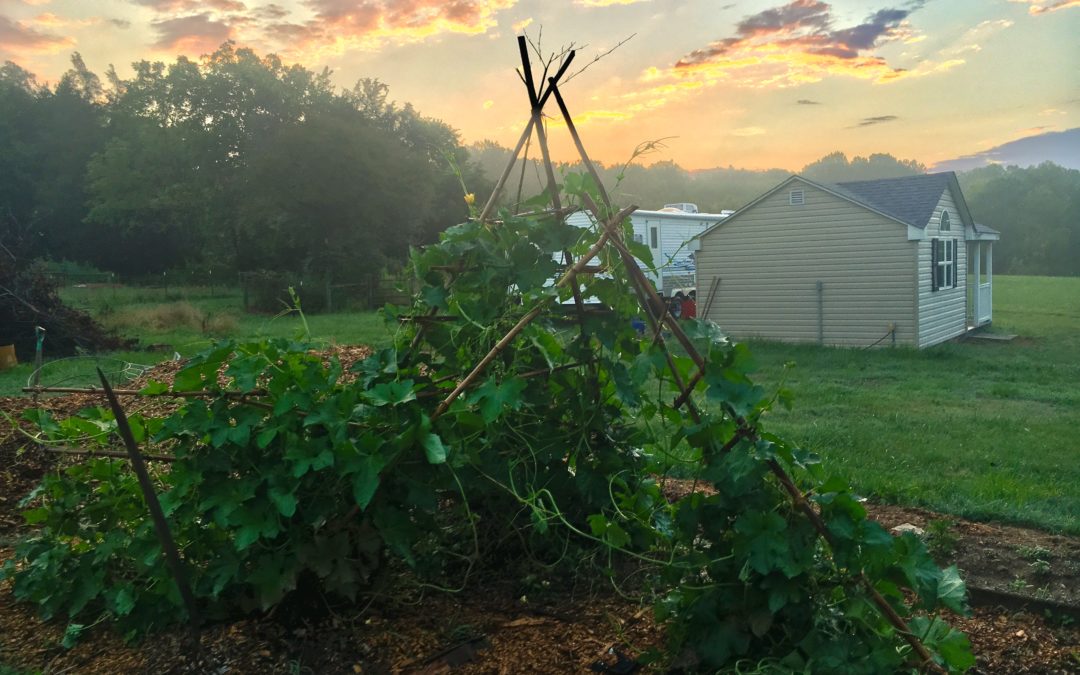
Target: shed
[{"x": 890, "y": 261}]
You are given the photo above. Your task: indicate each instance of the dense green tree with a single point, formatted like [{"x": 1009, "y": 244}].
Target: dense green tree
[
  {"x": 46, "y": 138},
  {"x": 241, "y": 162},
  {"x": 244, "y": 163},
  {"x": 332, "y": 196},
  {"x": 1037, "y": 210},
  {"x": 836, "y": 168}
]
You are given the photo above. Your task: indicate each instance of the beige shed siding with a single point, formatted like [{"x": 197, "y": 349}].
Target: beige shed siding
[
  {"x": 770, "y": 257},
  {"x": 942, "y": 314}
]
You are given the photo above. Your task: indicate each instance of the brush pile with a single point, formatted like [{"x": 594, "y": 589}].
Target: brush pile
[{"x": 28, "y": 298}]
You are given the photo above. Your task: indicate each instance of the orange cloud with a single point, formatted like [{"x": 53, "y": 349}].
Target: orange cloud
[
  {"x": 193, "y": 34},
  {"x": 784, "y": 46},
  {"x": 1046, "y": 6},
  {"x": 341, "y": 25},
  {"x": 797, "y": 43},
  {"x": 16, "y": 37}
]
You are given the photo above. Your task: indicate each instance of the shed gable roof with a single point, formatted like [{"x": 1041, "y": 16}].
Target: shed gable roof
[{"x": 909, "y": 199}]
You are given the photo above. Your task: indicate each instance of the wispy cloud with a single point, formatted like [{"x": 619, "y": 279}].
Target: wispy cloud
[
  {"x": 1046, "y": 6},
  {"x": 806, "y": 101},
  {"x": 190, "y": 5},
  {"x": 748, "y": 131},
  {"x": 522, "y": 25},
  {"x": 879, "y": 119},
  {"x": 799, "y": 42},
  {"x": 972, "y": 39},
  {"x": 193, "y": 34},
  {"x": 784, "y": 46},
  {"x": 17, "y": 37}
]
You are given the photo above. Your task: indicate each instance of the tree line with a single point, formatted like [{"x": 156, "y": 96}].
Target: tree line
[
  {"x": 1036, "y": 209},
  {"x": 239, "y": 163}
]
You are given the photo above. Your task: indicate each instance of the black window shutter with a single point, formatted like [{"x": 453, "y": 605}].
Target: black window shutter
[{"x": 934, "y": 264}]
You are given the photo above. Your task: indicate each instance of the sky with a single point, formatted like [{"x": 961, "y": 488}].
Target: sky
[{"x": 754, "y": 84}]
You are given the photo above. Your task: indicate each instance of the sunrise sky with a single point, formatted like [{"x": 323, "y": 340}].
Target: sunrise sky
[{"x": 754, "y": 83}]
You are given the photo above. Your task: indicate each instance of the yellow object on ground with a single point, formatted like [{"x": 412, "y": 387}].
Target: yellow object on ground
[{"x": 7, "y": 357}]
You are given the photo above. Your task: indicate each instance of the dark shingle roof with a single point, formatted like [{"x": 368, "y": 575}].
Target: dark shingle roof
[{"x": 910, "y": 199}]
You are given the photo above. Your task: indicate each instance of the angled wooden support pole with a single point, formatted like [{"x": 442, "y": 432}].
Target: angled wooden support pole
[
  {"x": 524, "y": 321},
  {"x": 161, "y": 526}
]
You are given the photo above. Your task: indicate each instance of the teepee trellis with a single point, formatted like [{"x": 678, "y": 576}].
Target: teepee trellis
[{"x": 651, "y": 303}]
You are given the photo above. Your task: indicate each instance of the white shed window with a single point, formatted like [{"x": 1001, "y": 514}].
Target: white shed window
[
  {"x": 944, "y": 263},
  {"x": 945, "y": 225},
  {"x": 796, "y": 198}
]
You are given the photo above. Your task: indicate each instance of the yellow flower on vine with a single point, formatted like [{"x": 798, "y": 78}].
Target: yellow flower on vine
[{"x": 470, "y": 199}]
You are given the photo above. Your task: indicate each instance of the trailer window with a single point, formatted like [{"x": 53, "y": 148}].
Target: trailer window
[{"x": 653, "y": 239}]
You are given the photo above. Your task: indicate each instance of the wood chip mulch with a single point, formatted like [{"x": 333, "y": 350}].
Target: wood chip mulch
[{"x": 498, "y": 626}]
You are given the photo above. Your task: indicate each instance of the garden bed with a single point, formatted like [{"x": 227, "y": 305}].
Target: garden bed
[{"x": 508, "y": 623}]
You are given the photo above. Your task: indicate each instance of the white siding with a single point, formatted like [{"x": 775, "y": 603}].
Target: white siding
[
  {"x": 672, "y": 257},
  {"x": 942, "y": 314},
  {"x": 673, "y": 260},
  {"x": 771, "y": 256}
]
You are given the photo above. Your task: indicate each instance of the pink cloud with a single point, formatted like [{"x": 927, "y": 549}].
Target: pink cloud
[
  {"x": 189, "y": 5},
  {"x": 1046, "y": 6},
  {"x": 193, "y": 34},
  {"x": 343, "y": 24},
  {"x": 17, "y": 37}
]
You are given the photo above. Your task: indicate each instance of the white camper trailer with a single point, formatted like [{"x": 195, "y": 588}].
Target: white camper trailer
[{"x": 666, "y": 232}]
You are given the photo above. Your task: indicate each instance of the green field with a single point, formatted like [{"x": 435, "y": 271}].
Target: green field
[
  {"x": 981, "y": 430},
  {"x": 183, "y": 321}
]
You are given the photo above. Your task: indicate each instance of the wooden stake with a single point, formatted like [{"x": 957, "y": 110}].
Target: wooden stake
[{"x": 168, "y": 546}]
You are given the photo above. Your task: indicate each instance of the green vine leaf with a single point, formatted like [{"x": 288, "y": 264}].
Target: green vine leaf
[{"x": 433, "y": 446}]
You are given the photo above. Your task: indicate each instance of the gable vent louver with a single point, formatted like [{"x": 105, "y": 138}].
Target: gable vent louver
[{"x": 795, "y": 198}]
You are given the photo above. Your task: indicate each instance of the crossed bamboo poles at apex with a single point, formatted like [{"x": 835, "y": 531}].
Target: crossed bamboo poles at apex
[{"x": 649, "y": 299}]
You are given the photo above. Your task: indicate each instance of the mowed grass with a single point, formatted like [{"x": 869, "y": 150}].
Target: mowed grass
[
  {"x": 975, "y": 429},
  {"x": 980, "y": 430},
  {"x": 184, "y": 321}
]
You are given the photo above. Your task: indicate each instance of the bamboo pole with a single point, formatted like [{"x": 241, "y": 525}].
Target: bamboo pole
[
  {"x": 136, "y": 392},
  {"x": 566, "y": 278},
  {"x": 553, "y": 189},
  {"x": 798, "y": 499},
  {"x": 64, "y": 450}
]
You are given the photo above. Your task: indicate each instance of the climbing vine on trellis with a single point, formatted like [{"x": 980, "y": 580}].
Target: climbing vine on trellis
[{"x": 516, "y": 398}]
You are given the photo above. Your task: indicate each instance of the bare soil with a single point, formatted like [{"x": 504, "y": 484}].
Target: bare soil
[{"x": 502, "y": 625}]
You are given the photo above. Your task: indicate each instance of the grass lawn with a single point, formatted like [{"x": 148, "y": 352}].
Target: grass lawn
[
  {"x": 981, "y": 430},
  {"x": 985, "y": 431},
  {"x": 185, "y": 321}
]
